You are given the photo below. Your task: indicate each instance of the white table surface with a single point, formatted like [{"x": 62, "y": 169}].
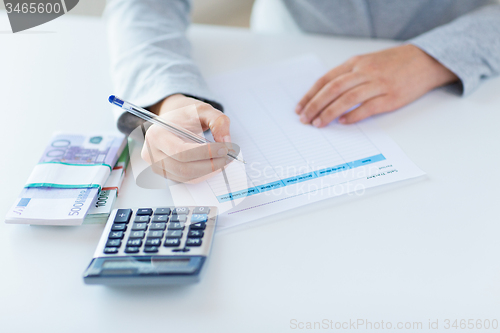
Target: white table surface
[{"x": 415, "y": 251}]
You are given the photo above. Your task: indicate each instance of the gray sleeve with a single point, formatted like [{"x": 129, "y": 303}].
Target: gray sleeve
[
  {"x": 150, "y": 54},
  {"x": 469, "y": 46}
]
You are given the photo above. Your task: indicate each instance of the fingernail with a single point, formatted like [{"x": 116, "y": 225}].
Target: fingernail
[
  {"x": 317, "y": 122},
  {"x": 298, "y": 108},
  {"x": 222, "y": 152},
  {"x": 342, "y": 120},
  {"x": 227, "y": 138},
  {"x": 303, "y": 119}
]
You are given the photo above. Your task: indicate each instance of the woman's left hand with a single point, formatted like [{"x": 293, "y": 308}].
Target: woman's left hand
[{"x": 379, "y": 82}]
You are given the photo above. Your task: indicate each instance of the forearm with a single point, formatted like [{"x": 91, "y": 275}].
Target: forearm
[
  {"x": 150, "y": 54},
  {"x": 468, "y": 46}
]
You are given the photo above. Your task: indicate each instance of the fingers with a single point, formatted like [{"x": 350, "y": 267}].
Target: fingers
[
  {"x": 369, "y": 108},
  {"x": 181, "y": 172},
  {"x": 178, "y": 171},
  {"x": 162, "y": 172},
  {"x": 181, "y": 150},
  {"x": 173, "y": 169},
  {"x": 330, "y": 91},
  {"x": 216, "y": 121},
  {"x": 332, "y": 74},
  {"x": 196, "y": 116},
  {"x": 220, "y": 128},
  {"x": 159, "y": 169},
  {"x": 346, "y": 101}
]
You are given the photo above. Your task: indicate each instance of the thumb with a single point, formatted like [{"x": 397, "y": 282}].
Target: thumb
[{"x": 219, "y": 125}]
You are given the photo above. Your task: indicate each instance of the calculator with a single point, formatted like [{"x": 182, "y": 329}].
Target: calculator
[{"x": 156, "y": 245}]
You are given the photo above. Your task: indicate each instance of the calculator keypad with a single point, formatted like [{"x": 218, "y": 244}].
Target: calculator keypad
[{"x": 174, "y": 229}]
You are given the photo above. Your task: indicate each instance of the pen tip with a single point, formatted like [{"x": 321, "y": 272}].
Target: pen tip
[{"x": 111, "y": 99}]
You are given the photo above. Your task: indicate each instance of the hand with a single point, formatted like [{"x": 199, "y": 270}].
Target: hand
[
  {"x": 380, "y": 82},
  {"x": 183, "y": 160}
]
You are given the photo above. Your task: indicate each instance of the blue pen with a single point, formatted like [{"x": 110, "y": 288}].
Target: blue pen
[{"x": 155, "y": 119}]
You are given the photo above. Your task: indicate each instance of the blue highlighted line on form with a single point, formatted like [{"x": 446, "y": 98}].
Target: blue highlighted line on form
[{"x": 300, "y": 178}]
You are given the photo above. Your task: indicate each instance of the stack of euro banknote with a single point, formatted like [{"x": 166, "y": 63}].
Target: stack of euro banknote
[{"x": 75, "y": 182}]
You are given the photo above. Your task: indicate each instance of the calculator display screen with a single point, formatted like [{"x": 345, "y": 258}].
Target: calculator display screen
[{"x": 124, "y": 264}]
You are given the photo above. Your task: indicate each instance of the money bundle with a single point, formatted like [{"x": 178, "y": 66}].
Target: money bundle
[{"x": 67, "y": 179}]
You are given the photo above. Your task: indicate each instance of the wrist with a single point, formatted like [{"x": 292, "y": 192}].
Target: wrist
[
  {"x": 439, "y": 74},
  {"x": 163, "y": 105}
]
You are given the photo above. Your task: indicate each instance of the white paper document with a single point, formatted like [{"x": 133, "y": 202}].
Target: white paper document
[{"x": 290, "y": 164}]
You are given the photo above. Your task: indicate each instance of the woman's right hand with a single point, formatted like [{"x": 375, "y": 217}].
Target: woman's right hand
[{"x": 180, "y": 159}]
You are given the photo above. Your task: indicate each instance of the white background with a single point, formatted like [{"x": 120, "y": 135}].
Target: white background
[{"x": 412, "y": 251}]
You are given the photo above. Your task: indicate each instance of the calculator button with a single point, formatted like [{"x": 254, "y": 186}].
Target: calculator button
[
  {"x": 158, "y": 226},
  {"x": 110, "y": 250},
  {"x": 178, "y": 218},
  {"x": 116, "y": 234},
  {"x": 150, "y": 249},
  {"x": 173, "y": 242},
  {"x": 193, "y": 242},
  {"x": 142, "y": 218},
  {"x": 155, "y": 234},
  {"x": 131, "y": 249},
  {"x": 175, "y": 226},
  {"x": 134, "y": 242},
  {"x": 174, "y": 234},
  {"x": 195, "y": 218},
  {"x": 119, "y": 227},
  {"x": 144, "y": 211},
  {"x": 114, "y": 243},
  {"x": 137, "y": 234},
  {"x": 139, "y": 226},
  {"x": 123, "y": 215},
  {"x": 197, "y": 226},
  {"x": 162, "y": 211},
  {"x": 160, "y": 218},
  {"x": 195, "y": 233},
  {"x": 180, "y": 210},
  {"x": 201, "y": 210},
  {"x": 153, "y": 242},
  {"x": 181, "y": 250}
]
